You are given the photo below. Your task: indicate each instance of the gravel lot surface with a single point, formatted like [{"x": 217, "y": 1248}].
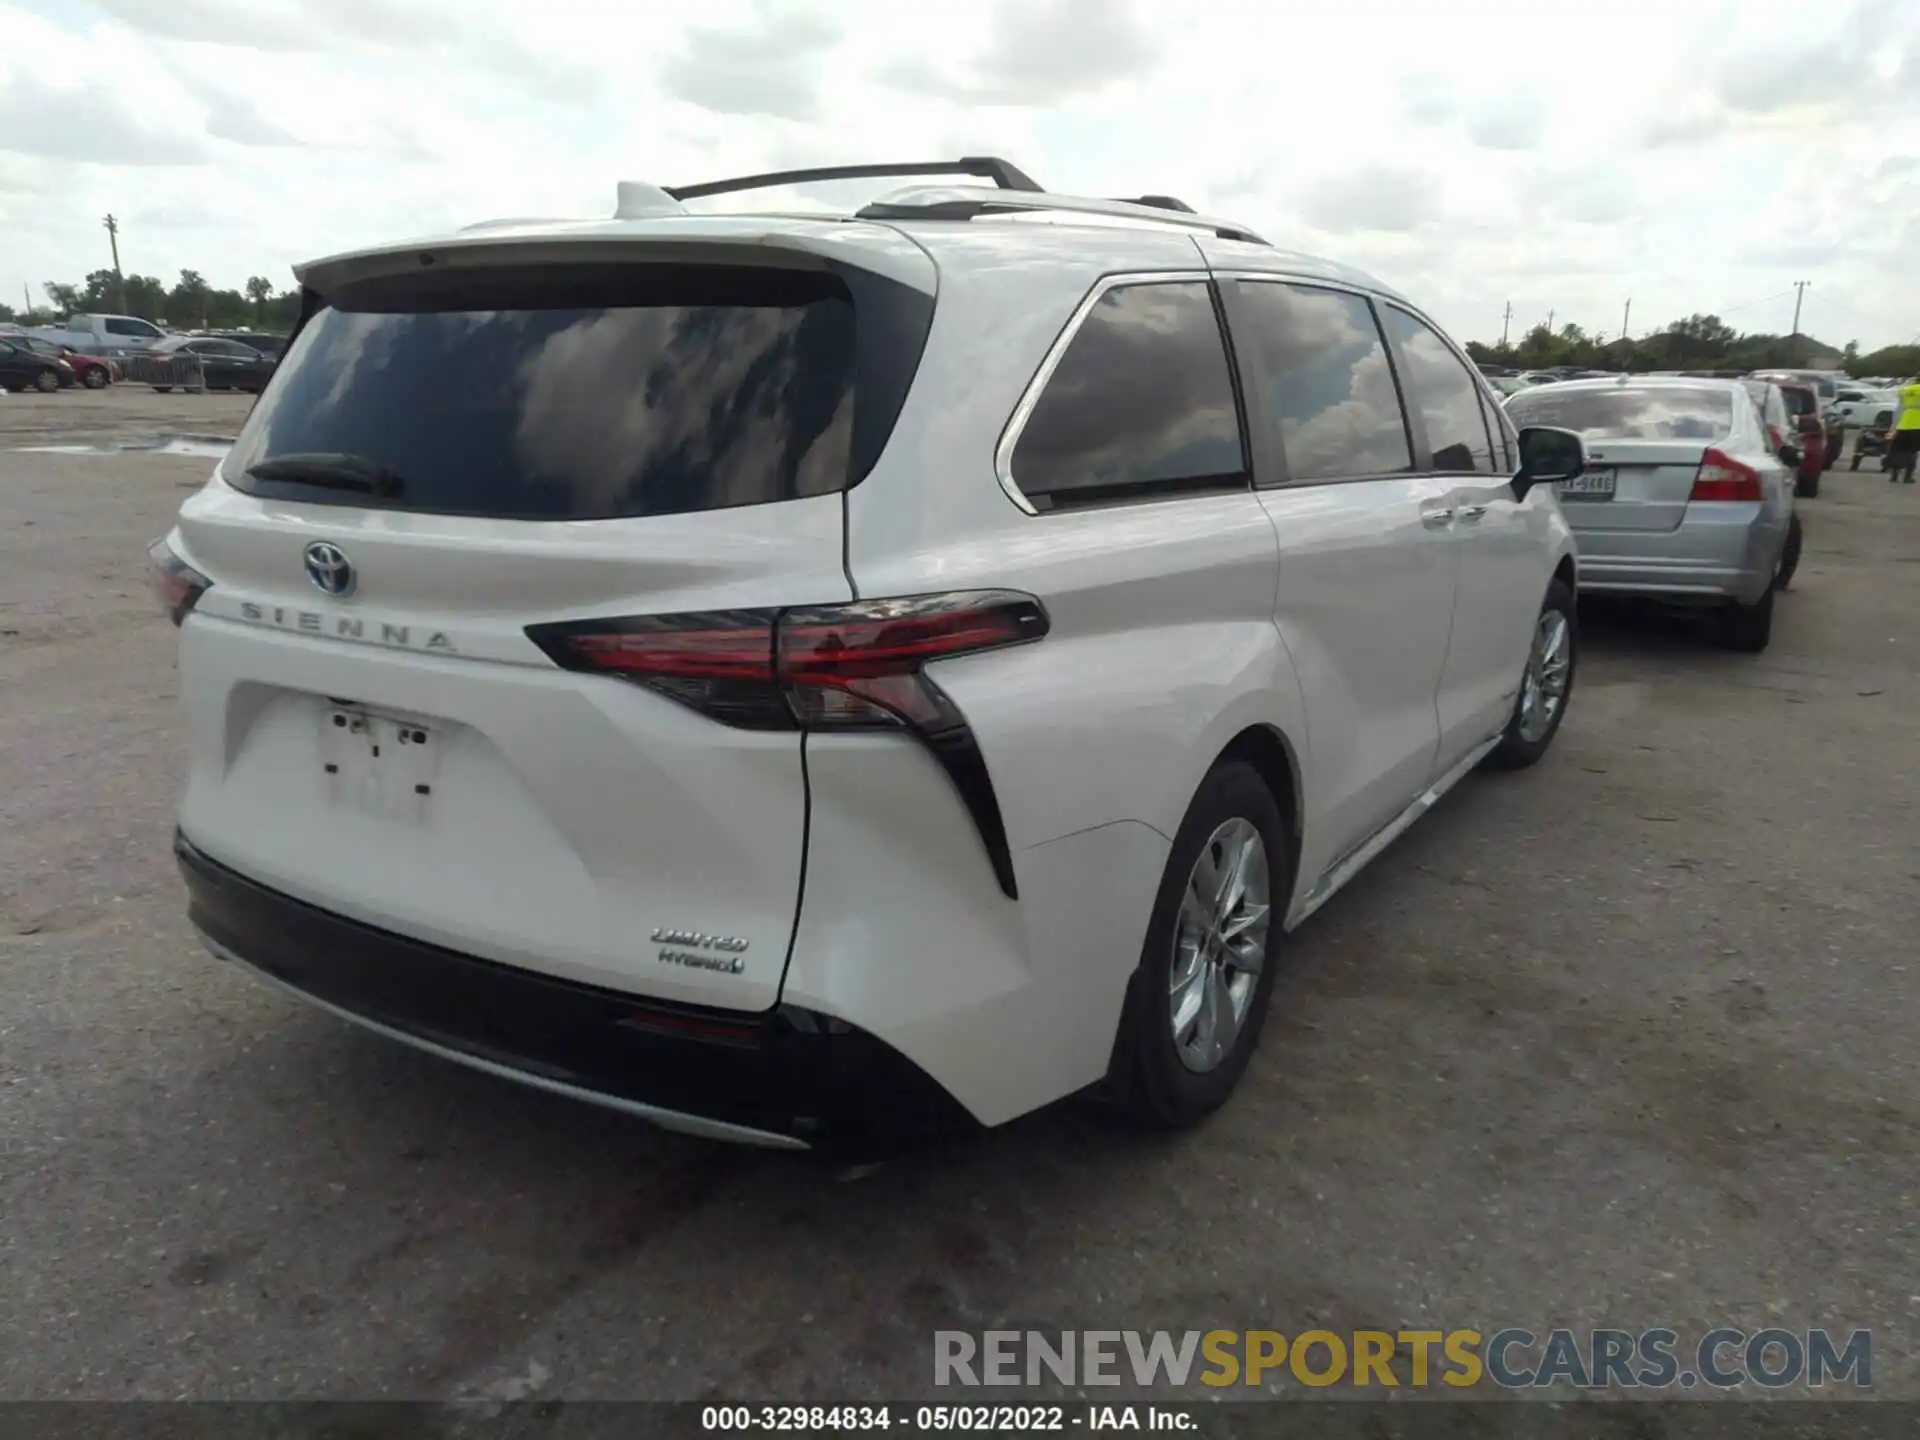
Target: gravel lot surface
[{"x": 1628, "y": 1039}]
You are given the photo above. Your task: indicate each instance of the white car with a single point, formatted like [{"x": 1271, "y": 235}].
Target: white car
[
  {"x": 805, "y": 678},
  {"x": 1857, "y": 406}
]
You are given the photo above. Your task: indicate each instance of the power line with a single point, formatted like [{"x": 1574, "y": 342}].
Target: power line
[{"x": 1726, "y": 310}]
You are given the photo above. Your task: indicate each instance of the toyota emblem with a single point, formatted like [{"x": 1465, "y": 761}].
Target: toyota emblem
[{"x": 329, "y": 569}]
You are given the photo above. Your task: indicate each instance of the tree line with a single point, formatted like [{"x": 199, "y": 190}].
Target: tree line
[
  {"x": 189, "y": 304},
  {"x": 1699, "y": 342}
]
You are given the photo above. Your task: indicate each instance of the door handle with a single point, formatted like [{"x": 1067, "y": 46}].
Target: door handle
[
  {"x": 1437, "y": 519},
  {"x": 1467, "y": 514}
]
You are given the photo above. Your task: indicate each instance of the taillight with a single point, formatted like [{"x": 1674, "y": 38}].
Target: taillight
[
  {"x": 1721, "y": 478},
  {"x": 859, "y": 664},
  {"x": 851, "y": 666},
  {"x": 720, "y": 664},
  {"x": 176, "y": 584}
]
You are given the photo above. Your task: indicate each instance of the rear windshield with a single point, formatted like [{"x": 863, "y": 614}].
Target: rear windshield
[
  {"x": 566, "y": 396},
  {"x": 1665, "y": 412}
]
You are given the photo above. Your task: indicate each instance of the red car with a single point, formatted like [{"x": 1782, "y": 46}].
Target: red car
[
  {"x": 92, "y": 371},
  {"x": 1803, "y": 407}
]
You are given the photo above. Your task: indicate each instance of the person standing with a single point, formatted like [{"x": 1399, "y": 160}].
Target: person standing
[{"x": 1903, "y": 441}]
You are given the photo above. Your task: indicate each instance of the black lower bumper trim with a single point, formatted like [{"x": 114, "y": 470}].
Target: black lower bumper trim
[{"x": 783, "y": 1072}]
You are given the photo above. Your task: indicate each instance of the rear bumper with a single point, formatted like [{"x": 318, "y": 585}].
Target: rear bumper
[
  {"x": 786, "y": 1078},
  {"x": 1717, "y": 553}
]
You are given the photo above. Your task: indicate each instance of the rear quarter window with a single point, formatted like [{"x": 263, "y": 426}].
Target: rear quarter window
[
  {"x": 1628, "y": 413},
  {"x": 596, "y": 394},
  {"x": 1140, "y": 404}
]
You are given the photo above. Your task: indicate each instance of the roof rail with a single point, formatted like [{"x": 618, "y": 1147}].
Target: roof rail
[
  {"x": 964, "y": 202},
  {"x": 988, "y": 167},
  {"x": 1161, "y": 202}
]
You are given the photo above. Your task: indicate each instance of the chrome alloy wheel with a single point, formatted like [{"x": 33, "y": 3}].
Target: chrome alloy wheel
[
  {"x": 1219, "y": 944},
  {"x": 1549, "y": 668}
]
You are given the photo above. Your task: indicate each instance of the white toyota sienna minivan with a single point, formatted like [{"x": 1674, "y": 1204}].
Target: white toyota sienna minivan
[{"x": 804, "y": 679}]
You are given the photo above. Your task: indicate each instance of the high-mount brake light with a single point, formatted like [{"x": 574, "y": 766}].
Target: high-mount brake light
[
  {"x": 850, "y": 666},
  {"x": 176, "y": 584}
]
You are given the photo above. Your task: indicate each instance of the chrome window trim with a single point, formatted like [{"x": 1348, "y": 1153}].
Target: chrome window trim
[
  {"x": 1287, "y": 277},
  {"x": 1479, "y": 381},
  {"x": 1030, "y": 397}
]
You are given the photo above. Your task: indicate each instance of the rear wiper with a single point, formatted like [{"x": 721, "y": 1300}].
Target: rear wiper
[{"x": 330, "y": 471}]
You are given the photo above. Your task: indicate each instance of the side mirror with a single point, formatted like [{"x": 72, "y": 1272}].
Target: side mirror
[
  {"x": 1790, "y": 456},
  {"x": 1547, "y": 456}
]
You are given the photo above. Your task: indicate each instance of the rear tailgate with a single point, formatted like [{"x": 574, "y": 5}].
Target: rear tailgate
[{"x": 374, "y": 731}]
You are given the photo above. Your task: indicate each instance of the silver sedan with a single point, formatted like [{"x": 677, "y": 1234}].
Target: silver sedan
[{"x": 1685, "y": 497}]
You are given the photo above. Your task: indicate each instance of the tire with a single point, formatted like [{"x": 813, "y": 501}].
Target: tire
[
  {"x": 1151, "y": 1081},
  {"x": 163, "y": 389},
  {"x": 1789, "y": 555},
  {"x": 1522, "y": 743},
  {"x": 46, "y": 382},
  {"x": 96, "y": 379},
  {"x": 1748, "y": 628}
]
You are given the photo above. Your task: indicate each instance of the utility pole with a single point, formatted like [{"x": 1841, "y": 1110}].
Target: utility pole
[
  {"x": 1506, "y": 321},
  {"x": 1800, "y": 288},
  {"x": 1550, "y": 315},
  {"x": 119, "y": 280},
  {"x": 1625, "y": 317}
]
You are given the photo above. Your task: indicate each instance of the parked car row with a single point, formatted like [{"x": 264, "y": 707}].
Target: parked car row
[
  {"x": 202, "y": 362},
  {"x": 28, "y": 362},
  {"x": 94, "y": 351}
]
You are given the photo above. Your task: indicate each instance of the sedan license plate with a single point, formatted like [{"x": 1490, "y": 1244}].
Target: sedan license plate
[
  {"x": 1594, "y": 485},
  {"x": 380, "y": 765}
]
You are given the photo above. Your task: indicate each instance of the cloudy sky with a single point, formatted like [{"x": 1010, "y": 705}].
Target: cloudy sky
[{"x": 1687, "y": 154}]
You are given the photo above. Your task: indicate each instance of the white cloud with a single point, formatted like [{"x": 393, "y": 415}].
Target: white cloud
[
  {"x": 768, "y": 66},
  {"x": 1513, "y": 120},
  {"x": 1372, "y": 197},
  {"x": 1039, "y": 52},
  {"x": 1681, "y": 167}
]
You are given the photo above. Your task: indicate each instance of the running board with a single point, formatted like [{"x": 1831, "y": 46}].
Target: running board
[{"x": 1331, "y": 883}]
